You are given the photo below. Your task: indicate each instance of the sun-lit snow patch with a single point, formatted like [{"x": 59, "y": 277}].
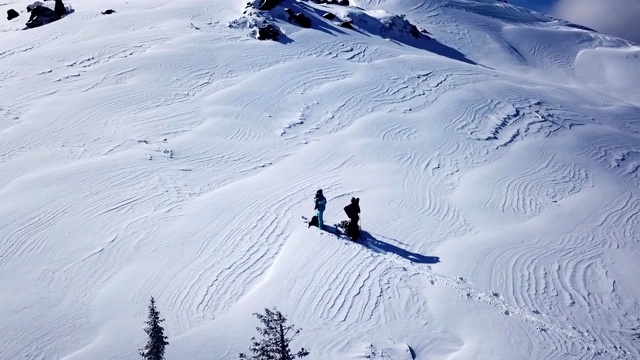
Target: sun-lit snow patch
[{"x": 384, "y": 24}]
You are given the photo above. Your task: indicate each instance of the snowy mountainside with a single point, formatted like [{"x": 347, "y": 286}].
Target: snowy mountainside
[{"x": 162, "y": 150}]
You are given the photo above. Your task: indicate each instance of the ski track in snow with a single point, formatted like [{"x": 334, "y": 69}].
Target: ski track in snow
[
  {"x": 157, "y": 151},
  {"x": 373, "y": 274}
]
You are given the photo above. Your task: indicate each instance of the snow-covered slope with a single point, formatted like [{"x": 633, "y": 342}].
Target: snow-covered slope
[{"x": 160, "y": 151}]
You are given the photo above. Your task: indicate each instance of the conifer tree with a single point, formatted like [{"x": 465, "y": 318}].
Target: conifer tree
[
  {"x": 276, "y": 337},
  {"x": 154, "y": 349}
]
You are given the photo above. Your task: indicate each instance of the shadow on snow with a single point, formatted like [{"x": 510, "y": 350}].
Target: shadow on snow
[
  {"x": 369, "y": 26},
  {"x": 370, "y": 242},
  {"x": 382, "y": 247}
]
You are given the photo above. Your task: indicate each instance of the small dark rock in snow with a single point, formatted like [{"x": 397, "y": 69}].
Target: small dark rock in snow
[
  {"x": 346, "y": 24},
  {"x": 329, "y": 16},
  {"x": 268, "y": 4},
  {"x": 268, "y": 32},
  {"x": 108, "y": 12},
  {"x": 411, "y": 352},
  {"x": 12, "y": 14},
  {"x": 413, "y": 30},
  {"x": 302, "y": 20},
  {"x": 338, "y": 2}
]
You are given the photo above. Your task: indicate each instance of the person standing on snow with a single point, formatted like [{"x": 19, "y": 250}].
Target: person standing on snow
[{"x": 320, "y": 203}]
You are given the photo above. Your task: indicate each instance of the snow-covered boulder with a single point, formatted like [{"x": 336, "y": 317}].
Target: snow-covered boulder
[
  {"x": 383, "y": 23},
  {"x": 268, "y": 32},
  {"x": 59, "y": 8},
  {"x": 268, "y": 4},
  {"x": 42, "y": 14},
  {"x": 333, "y": 2},
  {"x": 298, "y": 18}
]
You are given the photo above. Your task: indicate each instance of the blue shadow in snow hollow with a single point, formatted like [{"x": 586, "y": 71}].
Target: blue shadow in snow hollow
[{"x": 379, "y": 246}]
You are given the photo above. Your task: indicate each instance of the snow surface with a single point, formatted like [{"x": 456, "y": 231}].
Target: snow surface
[{"x": 159, "y": 151}]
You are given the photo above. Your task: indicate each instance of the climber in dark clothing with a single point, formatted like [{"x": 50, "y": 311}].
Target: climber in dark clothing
[{"x": 353, "y": 211}]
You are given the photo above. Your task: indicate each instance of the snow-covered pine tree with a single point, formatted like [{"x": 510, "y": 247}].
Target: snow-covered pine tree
[
  {"x": 276, "y": 337},
  {"x": 154, "y": 349}
]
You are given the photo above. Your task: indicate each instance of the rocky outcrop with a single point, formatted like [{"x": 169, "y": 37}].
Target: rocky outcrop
[
  {"x": 59, "y": 8},
  {"x": 334, "y": 2},
  {"x": 347, "y": 24},
  {"x": 268, "y": 32},
  {"x": 41, "y": 14},
  {"x": 268, "y": 4},
  {"x": 329, "y": 16},
  {"x": 299, "y": 18}
]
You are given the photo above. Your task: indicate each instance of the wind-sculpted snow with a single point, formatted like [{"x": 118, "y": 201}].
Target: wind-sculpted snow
[
  {"x": 536, "y": 185},
  {"x": 569, "y": 278},
  {"x": 160, "y": 151}
]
